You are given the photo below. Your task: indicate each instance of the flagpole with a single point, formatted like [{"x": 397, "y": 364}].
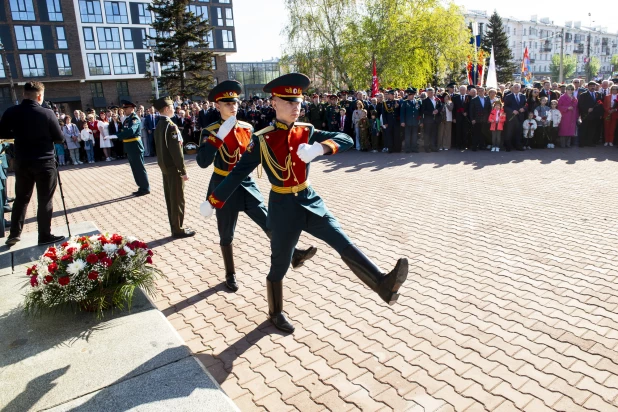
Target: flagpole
[{"x": 475, "y": 32}]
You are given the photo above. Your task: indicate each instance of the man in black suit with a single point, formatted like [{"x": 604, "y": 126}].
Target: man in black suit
[
  {"x": 480, "y": 108},
  {"x": 203, "y": 116},
  {"x": 515, "y": 110},
  {"x": 578, "y": 88},
  {"x": 35, "y": 130},
  {"x": 431, "y": 111},
  {"x": 461, "y": 109},
  {"x": 591, "y": 113},
  {"x": 548, "y": 92}
]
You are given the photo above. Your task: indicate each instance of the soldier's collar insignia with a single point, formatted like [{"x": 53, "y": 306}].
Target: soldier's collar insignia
[{"x": 281, "y": 126}]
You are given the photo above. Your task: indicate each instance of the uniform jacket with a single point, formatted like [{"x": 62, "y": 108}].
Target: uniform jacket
[
  {"x": 224, "y": 155},
  {"x": 316, "y": 114},
  {"x": 279, "y": 144},
  {"x": 131, "y": 128},
  {"x": 478, "y": 112},
  {"x": 411, "y": 112},
  {"x": 169, "y": 141}
]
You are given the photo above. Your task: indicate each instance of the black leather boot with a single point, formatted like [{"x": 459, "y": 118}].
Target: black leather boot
[
  {"x": 385, "y": 284},
  {"x": 300, "y": 256},
  {"x": 274, "y": 290},
  {"x": 230, "y": 272}
]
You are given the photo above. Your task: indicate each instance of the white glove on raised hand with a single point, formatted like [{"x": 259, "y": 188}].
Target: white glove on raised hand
[
  {"x": 225, "y": 128},
  {"x": 206, "y": 209},
  {"x": 307, "y": 152},
  {"x": 112, "y": 136}
]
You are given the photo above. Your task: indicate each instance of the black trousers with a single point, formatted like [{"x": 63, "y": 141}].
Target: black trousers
[
  {"x": 479, "y": 137},
  {"x": 462, "y": 128},
  {"x": 28, "y": 174},
  {"x": 430, "y": 135},
  {"x": 389, "y": 136},
  {"x": 589, "y": 131},
  {"x": 514, "y": 130}
]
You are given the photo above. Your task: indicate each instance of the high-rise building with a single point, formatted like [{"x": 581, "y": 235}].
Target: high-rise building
[
  {"x": 94, "y": 53},
  {"x": 543, "y": 39}
]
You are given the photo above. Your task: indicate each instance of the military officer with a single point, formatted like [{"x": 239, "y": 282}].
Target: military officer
[
  {"x": 317, "y": 114},
  {"x": 168, "y": 139},
  {"x": 223, "y": 143},
  {"x": 285, "y": 150},
  {"x": 332, "y": 113},
  {"x": 130, "y": 136},
  {"x": 410, "y": 120},
  {"x": 388, "y": 122}
]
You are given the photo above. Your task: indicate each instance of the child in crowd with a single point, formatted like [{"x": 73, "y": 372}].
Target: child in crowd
[
  {"x": 88, "y": 139},
  {"x": 363, "y": 129},
  {"x": 71, "y": 135},
  {"x": 541, "y": 113},
  {"x": 60, "y": 147},
  {"x": 529, "y": 128},
  {"x": 553, "y": 120},
  {"x": 497, "y": 117},
  {"x": 374, "y": 128}
]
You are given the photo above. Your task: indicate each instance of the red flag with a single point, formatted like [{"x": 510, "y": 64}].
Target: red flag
[{"x": 374, "y": 82}]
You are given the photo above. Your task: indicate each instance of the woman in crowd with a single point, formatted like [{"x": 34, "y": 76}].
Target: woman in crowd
[
  {"x": 104, "y": 141},
  {"x": 356, "y": 116},
  {"x": 71, "y": 135},
  {"x": 567, "y": 104},
  {"x": 610, "y": 104},
  {"x": 93, "y": 125},
  {"x": 445, "y": 127},
  {"x": 115, "y": 126},
  {"x": 493, "y": 96},
  {"x": 533, "y": 100}
]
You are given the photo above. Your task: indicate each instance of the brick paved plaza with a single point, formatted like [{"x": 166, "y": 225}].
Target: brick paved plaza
[{"x": 510, "y": 303}]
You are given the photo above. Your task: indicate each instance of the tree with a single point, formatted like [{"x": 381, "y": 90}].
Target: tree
[
  {"x": 495, "y": 36},
  {"x": 335, "y": 41},
  {"x": 569, "y": 65},
  {"x": 594, "y": 65},
  {"x": 182, "y": 48},
  {"x": 615, "y": 62}
]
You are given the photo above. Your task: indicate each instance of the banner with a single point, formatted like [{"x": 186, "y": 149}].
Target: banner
[
  {"x": 492, "y": 78},
  {"x": 525, "y": 68},
  {"x": 374, "y": 82}
]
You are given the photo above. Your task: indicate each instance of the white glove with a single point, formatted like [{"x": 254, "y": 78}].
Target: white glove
[
  {"x": 307, "y": 152},
  {"x": 112, "y": 136},
  {"x": 225, "y": 128},
  {"x": 206, "y": 209}
]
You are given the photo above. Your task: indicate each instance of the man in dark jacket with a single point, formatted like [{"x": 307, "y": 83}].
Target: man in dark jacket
[
  {"x": 431, "y": 110},
  {"x": 35, "y": 131},
  {"x": 480, "y": 109},
  {"x": 590, "y": 108},
  {"x": 515, "y": 109}
]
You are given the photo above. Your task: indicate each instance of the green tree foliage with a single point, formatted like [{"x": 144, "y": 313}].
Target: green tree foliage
[
  {"x": 495, "y": 35},
  {"x": 593, "y": 67},
  {"x": 615, "y": 61},
  {"x": 569, "y": 65},
  {"x": 335, "y": 41},
  {"x": 181, "y": 48}
]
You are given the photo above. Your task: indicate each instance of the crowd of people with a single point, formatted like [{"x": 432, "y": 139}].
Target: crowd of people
[{"x": 511, "y": 117}]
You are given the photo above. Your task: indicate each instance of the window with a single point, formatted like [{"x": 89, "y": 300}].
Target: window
[
  {"x": 32, "y": 65},
  {"x": 29, "y": 37},
  {"x": 2, "y": 72},
  {"x": 109, "y": 38},
  {"x": 54, "y": 11},
  {"x": 514, "y": 31},
  {"x": 61, "y": 38},
  {"x": 123, "y": 63},
  {"x": 145, "y": 16},
  {"x": 199, "y": 11},
  {"x": 228, "y": 39},
  {"x": 213, "y": 63},
  {"x": 219, "y": 17},
  {"x": 210, "y": 41},
  {"x": 229, "y": 19},
  {"x": 22, "y": 10},
  {"x": 116, "y": 12},
  {"x": 89, "y": 38},
  {"x": 224, "y": 1},
  {"x": 122, "y": 88},
  {"x": 96, "y": 88},
  {"x": 128, "y": 39},
  {"x": 90, "y": 11},
  {"x": 64, "y": 64},
  {"x": 98, "y": 64}
]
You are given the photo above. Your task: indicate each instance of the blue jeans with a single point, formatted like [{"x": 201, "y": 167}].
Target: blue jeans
[{"x": 89, "y": 146}]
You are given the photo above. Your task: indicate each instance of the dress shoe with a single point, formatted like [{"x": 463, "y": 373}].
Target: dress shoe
[
  {"x": 299, "y": 257},
  {"x": 141, "y": 193},
  {"x": 10, "y": 199},
  {"x": 47, "y": 240},
  {"x": 12, "y": 240},
  {"x": 8, "y": 209},
  {"x": 184, "y": 233}
]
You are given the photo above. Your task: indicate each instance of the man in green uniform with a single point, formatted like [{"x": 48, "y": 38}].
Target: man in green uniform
[
  {"x": 130, "y": 136},
  {"x": 317, "y": 114},
  {"x": 168, "y": 139},
  {"x": 332, "y": 112}
]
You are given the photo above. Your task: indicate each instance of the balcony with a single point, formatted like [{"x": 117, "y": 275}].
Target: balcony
[
  {"x": 568, "y": 38},
  {"x": 579, "y": 49},
  {"x": 532, "y": 61}
]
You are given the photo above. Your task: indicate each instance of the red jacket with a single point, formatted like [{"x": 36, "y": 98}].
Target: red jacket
[{"x": 492, "y": 119}]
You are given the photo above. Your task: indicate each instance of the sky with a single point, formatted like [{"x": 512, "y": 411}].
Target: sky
[{"x": 258, "y": 30}]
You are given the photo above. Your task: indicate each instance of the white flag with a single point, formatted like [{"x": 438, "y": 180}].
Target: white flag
[{"x": 492, "y": 80}]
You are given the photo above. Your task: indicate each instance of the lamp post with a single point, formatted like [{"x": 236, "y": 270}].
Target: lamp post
[
  {"x": 155, "y": 71},
  {"x": 7, "y": 70}
]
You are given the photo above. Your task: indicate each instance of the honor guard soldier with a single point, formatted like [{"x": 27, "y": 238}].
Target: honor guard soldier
[
  {"x": 168, "y": 139},
  {"x": 130, "y": 136},
  {"x": 285, "y": 151},
  {"x": 388, "y": 121},
  {"x": 223, "y": 144}
]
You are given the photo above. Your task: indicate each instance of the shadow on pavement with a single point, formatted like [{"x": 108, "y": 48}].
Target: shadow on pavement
[{"x": 35, "y": 390}]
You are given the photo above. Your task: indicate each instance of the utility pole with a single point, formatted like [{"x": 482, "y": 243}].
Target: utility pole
[
  {"x": 9, "y": 76},
  {"x": 561, "y": 74},
  {"x": 156, "y": 72}
]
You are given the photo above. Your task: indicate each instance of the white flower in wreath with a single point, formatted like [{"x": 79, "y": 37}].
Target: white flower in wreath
[
  {"x": 110, "y": 248},
  {"x": 130, "y": 239},
  {"x": 129, "y": 251},
  {"x": 76, "y": 266}
]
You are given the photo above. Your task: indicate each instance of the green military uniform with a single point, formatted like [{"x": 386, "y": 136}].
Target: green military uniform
[
  {"x": 332, "y": 113},
  {"x": 317, "y": 115},
  {"x": 130, "y": 136},
  {"x": 168, "y": 140}
]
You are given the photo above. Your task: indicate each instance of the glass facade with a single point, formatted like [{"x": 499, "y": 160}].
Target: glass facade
[{"x": 253, "y": 76}]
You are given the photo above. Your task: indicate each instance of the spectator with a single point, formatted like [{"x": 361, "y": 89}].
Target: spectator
[
  {"x": 59, "y": 146},
  {"x": 480, "y": 108},
  {"x": 104, "y": 141},
  {"x": 71, "y": 136},
  {"x": 529, "y": 127},
  {"x": 375, "y": 127},
  {"x": 115, "y": 126},
  {"x": 497, "y": 117},
  {"x": 567, "y": 104},
  {"x": 356, "y": 116},
  {"x": 445, "y": 128},
  {"x": 541, "y": 114},
  {"x": 554, "y": 119},
  {"x": 88, "y": 138},
  {"x": 610, "y": 106}
]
